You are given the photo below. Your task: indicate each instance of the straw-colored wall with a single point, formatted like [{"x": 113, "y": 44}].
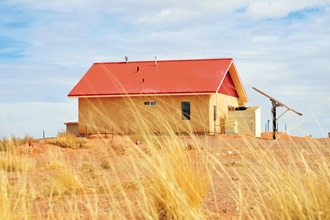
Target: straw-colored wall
[
  {"x": 130, "y": 114},
  {"x": 222, "y": 101}
]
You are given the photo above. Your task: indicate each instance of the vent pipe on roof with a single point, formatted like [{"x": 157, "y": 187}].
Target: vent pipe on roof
[
  {"x": 126, "y": 59},
  {"x": 155, "y": 60}
]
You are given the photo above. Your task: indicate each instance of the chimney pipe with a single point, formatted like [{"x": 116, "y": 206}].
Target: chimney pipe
[
  {"x": 126, "y": 59},
  {"x": 155, "y": 60}
]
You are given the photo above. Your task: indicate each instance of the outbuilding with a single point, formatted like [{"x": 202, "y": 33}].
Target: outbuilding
[{"x": 180, "y": 95}]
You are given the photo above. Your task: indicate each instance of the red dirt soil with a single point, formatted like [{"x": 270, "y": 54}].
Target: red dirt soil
[{"x": 218, "y": 201}]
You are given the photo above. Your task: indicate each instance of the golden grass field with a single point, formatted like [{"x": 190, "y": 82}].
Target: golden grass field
[{"x": 166, "y": 177}]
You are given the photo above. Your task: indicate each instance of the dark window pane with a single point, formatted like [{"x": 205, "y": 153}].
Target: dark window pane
[
  {"x": 185, "y": 108},
  {"x": 153, "y": 103},
  {"x": 146, "y": 103}
]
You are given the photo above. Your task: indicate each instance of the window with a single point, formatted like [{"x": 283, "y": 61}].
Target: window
[
  {"x": 185, "y": 109},
  {"x": 150, "y": 103}
]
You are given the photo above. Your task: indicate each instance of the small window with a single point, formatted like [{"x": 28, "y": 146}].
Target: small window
[
  {"x": 150, "y": 103},
  {"x": 185, "y": 109}
]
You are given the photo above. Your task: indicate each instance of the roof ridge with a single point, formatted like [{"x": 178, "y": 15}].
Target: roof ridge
[{"x": 152, "y": 61}]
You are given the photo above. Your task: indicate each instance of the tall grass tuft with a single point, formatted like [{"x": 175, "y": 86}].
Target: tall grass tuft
[
  {"x": 177, "y": 184},
  {"x": 5, "y": 209},
  {"x": 7, "y": 144},
  {"x": 68, "y": 140},
  {"x": 64, "y": 182},
  {"x": 173, "y": 181},
  {"x": 297, "y": 188},
  {"x": 10, "y": 162}
]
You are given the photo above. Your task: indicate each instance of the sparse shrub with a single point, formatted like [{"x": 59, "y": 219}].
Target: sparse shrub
[
  {"x": 191, "y": 147},
  {"x": 11, "y": 144},
  {"x": 64, "y": 182},
  {"x": 67, "y": 140},
  {"x": 55, "y": 165},
  {"x": 55, "y": 160},
  {"x": 105, "y": 164},
  {"x": 27, "y": 139},
  {"x": 6, "y": 144},
  {"x": 88, "y": 170},
  {"x": 14, "y": 163}
]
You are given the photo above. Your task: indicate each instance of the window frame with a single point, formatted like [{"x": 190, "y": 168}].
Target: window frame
[
  {"x": 186, "y": 111},
  {"x": 150, "y": 103}
]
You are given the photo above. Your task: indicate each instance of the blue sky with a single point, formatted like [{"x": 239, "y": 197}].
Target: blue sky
[{"x": 281, "y": 47}]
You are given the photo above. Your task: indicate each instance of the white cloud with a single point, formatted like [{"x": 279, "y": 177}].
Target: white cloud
[{"x": 280, "y": 8}]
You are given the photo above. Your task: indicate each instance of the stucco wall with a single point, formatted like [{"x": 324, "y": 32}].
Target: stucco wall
[
  {"x": 222, "y": 101},
  {"x": 130, "y": 114},
  {"x": 248, "y": 121}
]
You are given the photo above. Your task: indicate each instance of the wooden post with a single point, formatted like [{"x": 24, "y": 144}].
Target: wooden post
[
  {"x": 105, "y": 131},
  {"x": 86, "y": 133},
  {"x": 274, "y": 119}
]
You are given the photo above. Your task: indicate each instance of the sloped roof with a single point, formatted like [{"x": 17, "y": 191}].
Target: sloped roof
[{"x": 167, "y": 77}]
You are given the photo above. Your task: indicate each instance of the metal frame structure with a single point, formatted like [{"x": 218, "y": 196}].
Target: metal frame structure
[{"x": 275, "y": 104}]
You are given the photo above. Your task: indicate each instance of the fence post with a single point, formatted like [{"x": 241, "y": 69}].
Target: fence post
[{"x": 86, "y": 132}]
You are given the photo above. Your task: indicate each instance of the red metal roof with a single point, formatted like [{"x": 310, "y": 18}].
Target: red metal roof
[{"x": 144, "y": 77}]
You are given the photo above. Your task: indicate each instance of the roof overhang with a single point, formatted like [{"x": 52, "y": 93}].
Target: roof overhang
[
  {"x": 237, "y": 82},
  {"x": 137, "y": 95}
]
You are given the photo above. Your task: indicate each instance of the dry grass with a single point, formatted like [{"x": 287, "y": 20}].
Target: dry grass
[
  {"x": 166, "y": 177},
  {"x": 297, "y": 189},
  {"x": 55, "y": 160},
  {"x": 267, "y": 181},
  {"x": 176, "y": 185},
  {"x": 88, "y": 170},
  {"x": 11, "y": 162},
  {"x": 7, "y": 144},
  {"x": 68, "y": 140},
  {"x": 5, "y": 209},
  {"x": 64, "y": 182},
  {"x": 105, "y": 164}
]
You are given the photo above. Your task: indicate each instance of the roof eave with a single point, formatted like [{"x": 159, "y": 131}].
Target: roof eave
[{"x": 139, "y": 94}]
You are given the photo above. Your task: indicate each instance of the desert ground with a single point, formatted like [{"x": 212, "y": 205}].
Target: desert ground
[{"x": 237, "y": 177}]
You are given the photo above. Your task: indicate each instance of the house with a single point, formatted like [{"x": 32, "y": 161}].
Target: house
[{"x": 185, "y": 95}]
